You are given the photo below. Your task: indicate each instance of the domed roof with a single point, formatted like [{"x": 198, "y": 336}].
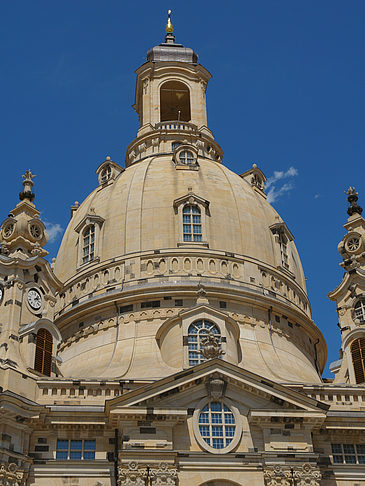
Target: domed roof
[{"x": 139, "y": 213}]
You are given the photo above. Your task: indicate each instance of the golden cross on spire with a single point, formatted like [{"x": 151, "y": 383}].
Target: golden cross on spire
[{"x": 169, "y": 26}]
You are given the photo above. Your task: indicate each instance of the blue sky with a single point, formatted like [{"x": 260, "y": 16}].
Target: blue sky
[{"x": 287, "y": 93}]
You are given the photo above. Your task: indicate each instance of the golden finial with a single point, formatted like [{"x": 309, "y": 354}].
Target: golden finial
[{"x": 169, "y": 26}]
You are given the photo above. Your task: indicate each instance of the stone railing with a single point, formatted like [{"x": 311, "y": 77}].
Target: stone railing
[
  {"x": 172, "y": 265},
  {"x": 62, "y": 391},
  {"x": 337, "y": 396},
  {"x": 175, "y": 125}
]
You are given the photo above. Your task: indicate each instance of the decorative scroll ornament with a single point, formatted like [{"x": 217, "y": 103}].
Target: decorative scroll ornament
[
  {"x": 277, "y": 476},
  {"x": 210, "y": 346},
  {"x": 11, "y": 475},
  {"x": 216, "y": 386},
  {"x": 307, "y": 475},
  {"x": 164, "y": 475},
  {"x": 130, "y": 474},
  {"x": 298, "y": 475}
]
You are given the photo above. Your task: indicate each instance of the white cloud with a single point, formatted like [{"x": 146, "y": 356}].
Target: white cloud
[
  {"x": 316, "y": 196},
  {"x": 53, "y": 230},
  {"x": 275, "y": 190},
  {"x": 274, "y": 193},
  {"x": 280, "y": 174}
]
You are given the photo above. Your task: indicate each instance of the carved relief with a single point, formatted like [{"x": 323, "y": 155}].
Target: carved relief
[
  {"x": 133, "y": 474},
  {"x": 11, "y": 475},
  {"x": 300, "y": 475}
]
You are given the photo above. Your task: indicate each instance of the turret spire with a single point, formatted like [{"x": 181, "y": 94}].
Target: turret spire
[
  {"x": 352, "y": 199},
  {"x": 28, "y": 185}
]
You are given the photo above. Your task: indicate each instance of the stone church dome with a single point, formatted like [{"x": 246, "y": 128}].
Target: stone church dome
[{"x": 176, "y": 240}]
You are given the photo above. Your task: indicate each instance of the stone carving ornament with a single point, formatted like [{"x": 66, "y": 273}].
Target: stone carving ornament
[
  {"x": 132, "y": 474},
  {"x": 10, "y": 475},
  {"x": 210, "y": 346},
  {"x": 284, "y": 475}
]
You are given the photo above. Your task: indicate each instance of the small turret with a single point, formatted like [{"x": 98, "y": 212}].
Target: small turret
[{"x": 22, "y": 232}]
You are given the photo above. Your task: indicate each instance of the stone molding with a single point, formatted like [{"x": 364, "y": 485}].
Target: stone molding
[
  {"x": 11, "y": 475},
  {"x": 133, "y": 474},
  {"x": 285, "y": 475}
]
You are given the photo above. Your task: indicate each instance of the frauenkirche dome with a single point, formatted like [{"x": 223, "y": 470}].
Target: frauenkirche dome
[{"x": 177, "y": 238}]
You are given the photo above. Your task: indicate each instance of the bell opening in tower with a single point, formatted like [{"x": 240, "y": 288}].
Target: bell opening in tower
[{"x": 175, "y": 102}]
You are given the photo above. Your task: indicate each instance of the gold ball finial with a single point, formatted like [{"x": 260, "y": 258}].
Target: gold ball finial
[{"x": 169, "y": 27}]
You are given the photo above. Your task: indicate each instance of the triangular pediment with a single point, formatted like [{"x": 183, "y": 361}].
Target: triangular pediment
[{"x": 255, "y": 395}]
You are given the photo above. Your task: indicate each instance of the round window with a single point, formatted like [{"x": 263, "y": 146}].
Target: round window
[
  {"x": 186, "y": 157},
  {"x": 217, "y": 426},
  {"x": 352, "y": 244},
  {"x": 8, "y": 230},
  {"x": 35, "y": 231}
]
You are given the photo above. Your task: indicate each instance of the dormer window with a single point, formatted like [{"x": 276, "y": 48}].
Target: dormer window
[
  {"x": 282, "y": 237},
  {"x": 283, "y": 242},
  {"x": 88, "y": 247},
  {"x": 89, "y": 230},
  {"x": 192, "y": 223},
  {"x": 106, "y": 174},
  {"x": 191, "y": 211},
  {"x": 186, "y": 157}
]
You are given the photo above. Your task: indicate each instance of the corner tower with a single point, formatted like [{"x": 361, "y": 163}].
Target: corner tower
[
  {"x": 170, "y": 102},
  {"x": 350, "y": 297}
]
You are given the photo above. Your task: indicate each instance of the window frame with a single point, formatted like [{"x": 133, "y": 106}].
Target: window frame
[
  {"x": 87, "y": 221},
  {"x": 217, "y": 318},
  {"x": 42, "y": 353},
  {"x": 203, "y": 206},
  {"x": 69, "y": 450},
  {"x": 238, "y": 424},
  {"x": 343, "y": 454},
  {"x": 200, "y": 358}
]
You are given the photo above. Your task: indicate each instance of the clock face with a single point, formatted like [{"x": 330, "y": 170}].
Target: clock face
[{"x": 34, "y": 299}]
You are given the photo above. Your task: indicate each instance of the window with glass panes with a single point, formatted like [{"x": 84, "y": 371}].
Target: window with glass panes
[
  {"x": 75, "y": 450},
  {"x": 284, "y": 251},
  {"x": 192, "y": 223},
  {"x": 43, "y": 352},
  {"x": 195, "y": 332},
  {"x": 88, "y": 244},
  {"x": 217, "y": 425},
  {"x": 348, "y": 453},
  {"x": 186, "y": 157},
  {"x": 360, "y": 310},
  {"x": 106, "y": 173}
]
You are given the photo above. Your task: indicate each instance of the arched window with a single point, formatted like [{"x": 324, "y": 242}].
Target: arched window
[
  {"x": 360, "y": 310},
  {"x": 88, "y": 244},
  {"x": 195, "y": 333},
  {"x": 175, "y": 102},
  {"x": 217, "y": 425},
  {"x": 192, "y": 223},
  {"x": 43, "y": 352},
  {"x": 358, "y": 359}
]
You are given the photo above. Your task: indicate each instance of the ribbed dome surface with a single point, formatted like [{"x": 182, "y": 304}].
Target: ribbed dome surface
[{"x": 138, "y": 208}]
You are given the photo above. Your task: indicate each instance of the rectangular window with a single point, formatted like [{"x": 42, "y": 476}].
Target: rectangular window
[
  {"x": 348, "y": 453},
  {"x": 75, "y": 450},
  {"x": 150, "y": 305},
  {"x": 192, "y": 223}
]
